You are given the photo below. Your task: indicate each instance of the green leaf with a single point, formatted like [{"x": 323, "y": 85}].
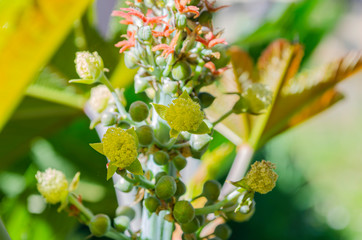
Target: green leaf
[
  {"x": 133, "y": 133},
  {"x": 160, "y": 109},
  {"x": 174, "y": 133},
  {"x": 98, "y": 147},
  {"x": 74, "y": 184},
  {"x": 135, "y": 167},
  {"x": 111, "y": 170},
  {"x": 203, "y": 128},
  {"x": 82, "y": 81}
]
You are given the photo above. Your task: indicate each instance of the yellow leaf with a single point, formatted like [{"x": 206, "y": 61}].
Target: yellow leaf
[{"x": 35, "y": 35}]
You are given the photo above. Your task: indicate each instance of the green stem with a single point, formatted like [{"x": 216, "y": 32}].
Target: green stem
[
  {"x": 217, "y": 206},
  {"x": 88, "y": 213},
  {"x": 144, "y": 182},
  {"x": 222, "y": 117},
  {"x": 181, "y": 145},
  {"x": 171, "y": 143}
]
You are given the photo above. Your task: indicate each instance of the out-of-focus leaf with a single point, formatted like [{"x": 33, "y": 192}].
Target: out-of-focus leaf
[
  {"x": 3, "y": 233},
  {"x": 38, "y": 30}
]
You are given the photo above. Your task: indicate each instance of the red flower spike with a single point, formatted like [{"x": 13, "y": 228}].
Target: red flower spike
[
  {"x": 127, "y": 18},
  {"x": 210, "y": 40},
  {"x": 127, "y": 44},
  {"x": 167, "y": 49},
  {"x": 210, "y": 6},
  {"x": 165, "y": 33},
  {"x": 147, "y": 20},
  {"x": 212, "y": 68},
  {"x": 182, "y": 8}
]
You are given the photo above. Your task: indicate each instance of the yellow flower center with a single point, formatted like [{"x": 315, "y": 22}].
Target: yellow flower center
[
  {"x": 261, "y": 178},
  {"x": 184, "y": 115},
  {"x": 119, "y": 147}
]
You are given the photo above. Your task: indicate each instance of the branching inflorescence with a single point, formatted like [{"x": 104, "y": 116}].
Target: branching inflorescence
[{"x": 177, "y": 52}]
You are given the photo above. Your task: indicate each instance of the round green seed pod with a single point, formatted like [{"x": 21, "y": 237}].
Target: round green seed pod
[
  {"x": 223, "y": 231},
  {"x": 181, "y": 71},
  {"x": 205, "y": 17},
  {"x": 121, "y": 223},
  {"x": 224, "y": 59},
  {"x": 131, "y": 60},
  {"x": 211, "y": 190},
  {"x": 165, "y": 187},
  {"x": 123, "y": 125},
  {"x": 206, "y": 99},
  {"x": 126, "y": 211},
  {"x": 240, "y": 216},
  {"x": 191, "y": 226},
  {"x": 181, "y": 188},
  {"x": 183, "y": 212},
  {"x": 138, "y": 111},
  {"x": 159, "y": 175},
  {"x": 99, "y": 225},
  {"x": 161, "y": 157},
  {"x": 123, "y": 185},
  {"x": 201, "y": 219},
  {"x": 145, "y": 135},
  {"x": 180, "y": 162},
  {"x": 152, "y": 203},
  {"x": 108, "y": 119}
]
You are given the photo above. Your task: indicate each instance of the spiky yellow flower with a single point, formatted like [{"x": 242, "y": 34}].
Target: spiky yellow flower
[
  {"x": 99, "y": 98},
  {"x": 88, "y": 65},
  {"x": 120, "y": 147},
  {"x": 261, "y": 177},
  {"x": 184, "y": 115},
  {"x": 53, "y": 185}
]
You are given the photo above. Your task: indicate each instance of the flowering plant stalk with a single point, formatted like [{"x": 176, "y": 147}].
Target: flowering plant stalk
[{"x": 149, "y": 146}]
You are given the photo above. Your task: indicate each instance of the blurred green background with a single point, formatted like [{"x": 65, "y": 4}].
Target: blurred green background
[{"x": 318, "y": 195}]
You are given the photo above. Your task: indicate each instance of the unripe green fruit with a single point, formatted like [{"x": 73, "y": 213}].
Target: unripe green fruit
[
  {"x": 211, "y": 190},
  {"x": 224, "y": 59},
  {"x": 159, "y": 175},
  {"x": 181, "y": 71},
  {"x": 239, "y": 216},
  {"x": 108, "y": 119},
  {"x": 181, "y": 188},
  {"x": 138, "y": 111},
  {"x": 180, "y": 162},
  {"x": 181, "y": 21},
  {"x": 191, "y": 226},
  {"x": 99, "y": 225},
  {"x": 152, "y": 203},
  {"x": 124, "y": 125},
  {"x": 183, "y": 212},
  {"x": 206, "y": 99},
  {"x": 161, "y": 157},
  {"x": 144, "y": 33},
  {"x": 223, "y": 231},
  {"x": 122, "y": 223},
  {"x": 145, "y": 135},
  {"x": 130, "y": 60},
  {"x": 123, "y": 185},
  {"x": 201, "y": 219},
  {"x": 126, "y": 211},
  {"x": 205, "y": 17},
  {"x": 166, "y": 187}
]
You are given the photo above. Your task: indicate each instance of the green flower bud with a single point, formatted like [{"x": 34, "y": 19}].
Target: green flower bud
[
  {"x": 181, "y": 21},
  {"x": 206, "y": 99},
  {"x": 190, "y": 227},
  {"x": 161, "y": 157},
  {"x": 223, "y": 231},
  {"x": 138, "y": 111},
  {"x": 88, "y": 65},
  {"x": 140, "y": 84},
  {"x": 123, "y": 185},
  {"x": 180, "y": 162},
  {"x": 121, "y": 223},
  {"x": 169, "y": 86},
  {"x": 181, "y": 71},
  {"x": 145, "y": 135},
  {"x": 123, "y": 125},
  {"x": 160, "y": 61},
  {"x": 159, "y": 175},
  {"x": 166, "y": 187},
  {"x": 108, "y": 119},
  {"x": 211, "y": 190},
  {"x": 224, "y": 59},
  {"x": 181, "y": 188},
  {"x": 239, "y": 216},
  {"x": 199, "y": 141},
  {"x": 131, "y": 60},
  {"x": 205, "y": 17},
  {"x": 99, "y": 225},
  {"x": 183, "y": 212},
  {"x": 144, "y": 33},
  {"x": 152, "y": 203},
  {"x": 126, "y": 211}
]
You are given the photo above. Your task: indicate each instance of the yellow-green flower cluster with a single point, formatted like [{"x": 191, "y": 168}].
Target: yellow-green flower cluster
[
  {"x": 184, "y": 115},
  {"x": 261, "y": 177},
  {"x": 120, "y": 147},
  {"x": 53, "y": 185},
  {"x": 88, "y": 65}
]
